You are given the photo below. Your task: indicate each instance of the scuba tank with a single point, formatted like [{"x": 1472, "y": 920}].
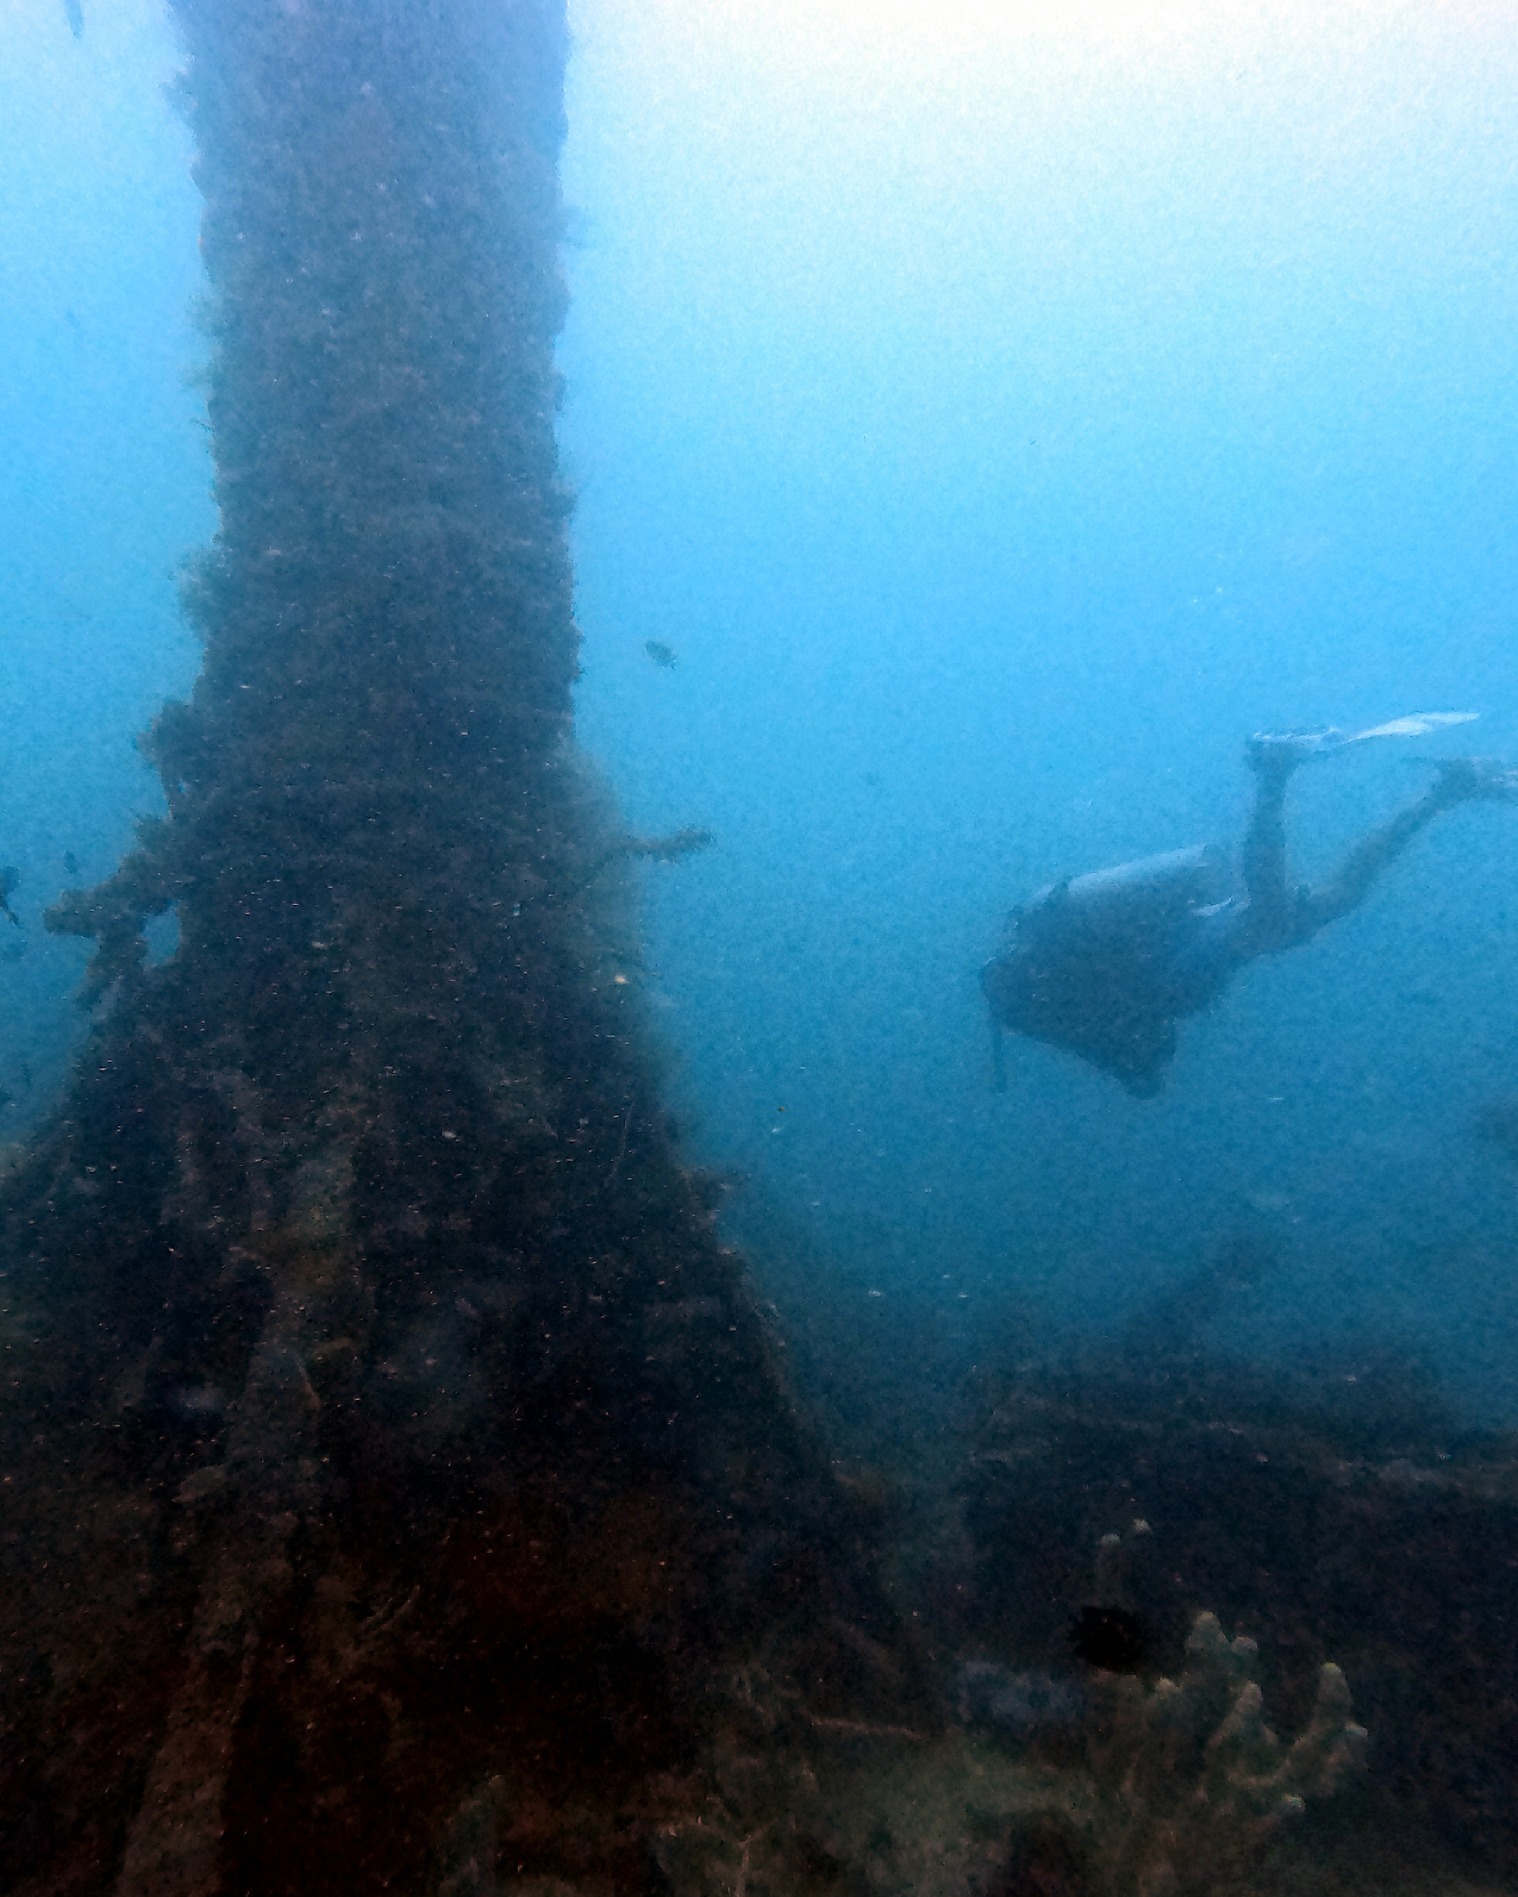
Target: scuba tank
[
  {"x": 1131, "y": 899},
  {"x": 1134, "y": 910}
]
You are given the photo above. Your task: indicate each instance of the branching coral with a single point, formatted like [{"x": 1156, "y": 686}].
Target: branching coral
[{"x": 1191, "y": 1783}]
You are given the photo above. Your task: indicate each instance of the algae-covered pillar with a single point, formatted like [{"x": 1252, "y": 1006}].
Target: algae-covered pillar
[{"x": 390, "y": 1448}]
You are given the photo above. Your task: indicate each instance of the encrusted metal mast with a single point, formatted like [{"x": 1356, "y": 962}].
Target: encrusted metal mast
[{"x": 384, "y": 1424}]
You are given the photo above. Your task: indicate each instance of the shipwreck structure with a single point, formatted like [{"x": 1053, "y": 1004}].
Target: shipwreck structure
[{"x": 392, "y": 1453}]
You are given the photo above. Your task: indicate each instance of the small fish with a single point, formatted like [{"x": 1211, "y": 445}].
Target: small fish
[
  {"x": 70, "y": 863},
  {"x": 8, "y": 881},
  {"x": 75, "y": 12},
  {"x": 1109, "y": 1638},
  {"x": 661, "y": 654}
]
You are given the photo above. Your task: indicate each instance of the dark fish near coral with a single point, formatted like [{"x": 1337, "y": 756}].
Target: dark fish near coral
[
  {"x": 70, "y": 863},
  {"x": 1110, "y": 1638},
  {"x": 8, "y": 881},
  {"x": 75, "y": 12},
  {"x": 661, "y": 654}
]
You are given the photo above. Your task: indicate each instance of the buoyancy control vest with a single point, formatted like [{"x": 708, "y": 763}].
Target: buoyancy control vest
[{"x": 1102, "y": 964}]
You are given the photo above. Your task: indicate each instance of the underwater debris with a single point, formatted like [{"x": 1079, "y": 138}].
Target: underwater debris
[
  {"x": 671, "y": 848},
  {"x": 791, "y": 1799},
  {"x": 1332, "y": 1506},
  {"x": 347, "y": 1253},
  {"x": 666, "y": 849},
  {"x": 8, "y": 880},
  {"x": 74, "y": 13},
  {"x": 661, "y": 654},
  {"x": 116, "y": 912},
  {"x": 1191, "y": 1783}
]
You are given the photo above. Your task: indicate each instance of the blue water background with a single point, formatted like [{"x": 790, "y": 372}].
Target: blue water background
[
  {"x": 1000, "y": 419},
  {"x": 104, "y": 479}
]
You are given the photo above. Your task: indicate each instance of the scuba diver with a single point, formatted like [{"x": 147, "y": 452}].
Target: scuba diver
[{"x": 1104, "y": 965}]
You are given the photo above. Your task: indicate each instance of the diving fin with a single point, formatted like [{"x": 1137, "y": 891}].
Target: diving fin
[
  {"x": 1297, "y": 747},
  {"x": 1416, "y": 724}
]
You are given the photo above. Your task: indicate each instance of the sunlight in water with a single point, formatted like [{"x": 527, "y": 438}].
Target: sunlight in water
[
  {"x": 862, "y": 33},
  {"x": 902, "y": 112},
  {"x": 880, "y": 51}
]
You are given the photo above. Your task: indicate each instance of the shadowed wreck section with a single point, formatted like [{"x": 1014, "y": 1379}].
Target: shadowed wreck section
[{"x": 393, "y": 1454}]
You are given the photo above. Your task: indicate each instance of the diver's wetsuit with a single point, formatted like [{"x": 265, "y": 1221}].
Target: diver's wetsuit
[{"x": 1110, "y": 987}]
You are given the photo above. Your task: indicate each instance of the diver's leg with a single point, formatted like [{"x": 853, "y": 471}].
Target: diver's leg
[
  {"x": 1460, "y": 781},
  {"x": 1268, "y": 916}
]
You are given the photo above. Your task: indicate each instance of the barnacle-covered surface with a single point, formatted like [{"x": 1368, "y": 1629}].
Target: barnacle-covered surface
[
  {"x": 1334, "y": 1514},
  {"x": 382, "y": 1416},
  {"x": 1179, "y": 1785}
]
